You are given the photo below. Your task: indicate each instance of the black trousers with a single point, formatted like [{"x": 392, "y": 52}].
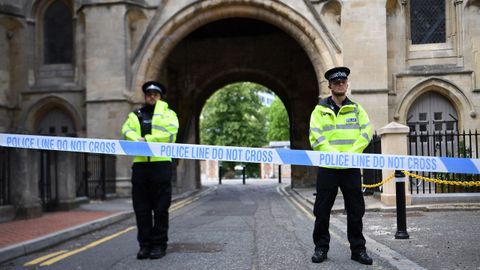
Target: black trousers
[
  {"x": 152, "y": 196},
  {"x": 349, "y": 181}
]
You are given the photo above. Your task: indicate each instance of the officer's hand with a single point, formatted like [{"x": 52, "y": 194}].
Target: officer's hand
[{"x": 141, "y": 139}]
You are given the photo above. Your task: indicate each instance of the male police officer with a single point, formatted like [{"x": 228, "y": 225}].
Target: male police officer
[
  {"x": 338, "y": 124},
  {"x": 151, "y": 186}
]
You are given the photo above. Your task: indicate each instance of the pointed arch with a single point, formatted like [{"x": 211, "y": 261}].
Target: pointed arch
[
  {"x": 446, "y": 88},
  {"x": 41, "y": 109}
]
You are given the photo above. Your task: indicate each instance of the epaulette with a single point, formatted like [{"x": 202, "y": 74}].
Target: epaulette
[{"x": 138, "y": 112}]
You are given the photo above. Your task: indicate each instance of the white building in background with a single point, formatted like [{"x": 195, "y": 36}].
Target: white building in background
[{"x": 266, "y": 98}]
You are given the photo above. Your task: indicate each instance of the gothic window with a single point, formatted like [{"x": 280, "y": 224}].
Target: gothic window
[
  {"x": 427, "y": 21},
  {"x": 58, "y": 34}
]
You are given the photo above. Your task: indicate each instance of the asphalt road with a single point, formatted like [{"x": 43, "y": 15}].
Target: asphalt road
[{"x": 258, "y": 226}]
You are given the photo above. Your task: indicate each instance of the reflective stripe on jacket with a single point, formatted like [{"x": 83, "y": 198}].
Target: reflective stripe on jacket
[
  {"x": 348, "y": 131},
  {"x": 164, "y": 129}
]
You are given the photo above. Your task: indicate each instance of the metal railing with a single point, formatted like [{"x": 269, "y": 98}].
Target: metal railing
[
  {"x": 370, "y": 176},
  {"x": 458, "y": 144},
  {"x": 96, "y": 175},
  {"x": 4, "y": 176},
  {"x": 48, "y": 184}
]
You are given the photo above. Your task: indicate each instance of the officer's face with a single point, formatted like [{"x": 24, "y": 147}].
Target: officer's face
[
  {"x": 151, "y": 97},
  {"x": 338, "y": 87}
]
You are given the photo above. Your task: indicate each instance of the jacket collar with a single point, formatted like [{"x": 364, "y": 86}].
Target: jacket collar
[
  {"x": 328, "y": 102},
  {"x": 161, "y": 105}
]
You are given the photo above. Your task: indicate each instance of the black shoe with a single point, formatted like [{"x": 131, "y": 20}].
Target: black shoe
[
  {"x": 362, "y": 257},
  {"x": 319, "y": 256},
  {"x": 157, "y": 253},
  {"x": 143, "y": 253}
]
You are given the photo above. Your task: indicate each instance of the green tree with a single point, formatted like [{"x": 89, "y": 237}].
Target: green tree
[
  {"x": 278, "y": 123},
  {"x": 233, "y": 117}
]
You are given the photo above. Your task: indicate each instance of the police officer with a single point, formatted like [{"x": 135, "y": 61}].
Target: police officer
[
  {"x": 338, "y": 124},
  {"x": 151, "y": 176}
]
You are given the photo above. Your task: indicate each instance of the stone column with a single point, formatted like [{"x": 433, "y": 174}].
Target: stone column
[
  {"x": 365, "y": 42},
  {"x": 107, "y": 104},
  {"x": 4, "y": 78},
  {"x": 106, "y": 69},
  {"x": 364, "y": 39},
  {"x": 67, "y": 193},
  {"x": 25, "y": 176},
  {"x": 302, "y": 176},
  {"x": 187, "y": 171},
  {"x": 394, "y": 142}
]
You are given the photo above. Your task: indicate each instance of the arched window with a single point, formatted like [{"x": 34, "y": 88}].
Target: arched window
[{"x": 58, "y": 34}]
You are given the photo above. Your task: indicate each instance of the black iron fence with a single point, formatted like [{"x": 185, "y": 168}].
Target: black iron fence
[
  {"x": 96, "y": 174},
  {"x": 4, "y": 176},
  {"x": 458, "y": 144},
  {"x": 48, "y": 184},
  {"x": 371, "y": 176}
]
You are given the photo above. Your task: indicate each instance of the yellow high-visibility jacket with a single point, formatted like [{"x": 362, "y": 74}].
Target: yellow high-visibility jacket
[
  {"x": 348, "y": 131},
  {"x": 164, "y": 129}
]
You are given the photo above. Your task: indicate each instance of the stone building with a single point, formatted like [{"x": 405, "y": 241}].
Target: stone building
[{"x": 75, "y": 67}]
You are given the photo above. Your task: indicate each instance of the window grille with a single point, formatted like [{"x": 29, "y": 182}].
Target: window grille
[
  {"x": 58, "y": 34},
  {"x": 427, "y": 21}
]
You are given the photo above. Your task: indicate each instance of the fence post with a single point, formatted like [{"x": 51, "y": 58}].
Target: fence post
[
  {"x": 243, "y": 173},
  {"x": 103, "y": 176},
  {"x": 279, "y": 174},
  {"x": 219, "y": 173},
  {"x": 394, "y": 142},
  {"x": 401, "y": 208}
]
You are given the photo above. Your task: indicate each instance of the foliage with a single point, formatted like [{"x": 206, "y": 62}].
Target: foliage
[
  {"x": 233, "y": 117},
  {"x": 278, "y": 123}
]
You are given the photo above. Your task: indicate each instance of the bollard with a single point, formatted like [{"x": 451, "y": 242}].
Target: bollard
[
  {"x": 401, "y": 208},
  {"x": 219, "y": 173},
  {"x": 279, "y": 174},
  {"x": 243, "y": 173}
]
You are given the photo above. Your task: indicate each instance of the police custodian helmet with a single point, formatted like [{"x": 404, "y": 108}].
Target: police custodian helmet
[
  {"x": 337, "y": 73},
  {"x": 155, "y": 87}
]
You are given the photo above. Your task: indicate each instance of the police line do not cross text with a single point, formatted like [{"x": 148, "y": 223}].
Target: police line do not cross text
[{"x": 243, "y": 154}]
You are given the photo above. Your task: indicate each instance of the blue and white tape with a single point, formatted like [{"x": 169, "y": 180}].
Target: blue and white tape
[{"x": 243, "y": 154}]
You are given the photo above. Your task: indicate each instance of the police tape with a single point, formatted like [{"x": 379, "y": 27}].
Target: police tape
[{"x": 243, "y": 154}]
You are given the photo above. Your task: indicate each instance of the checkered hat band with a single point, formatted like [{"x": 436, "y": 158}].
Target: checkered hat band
[
  {"x": 153, "y": 87},
  {"x": 339, "y": 74}
]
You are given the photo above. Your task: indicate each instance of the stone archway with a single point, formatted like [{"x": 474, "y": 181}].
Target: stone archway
[
  {"x": 165, "y": 35},
  {"x": 226, "y": 43}
]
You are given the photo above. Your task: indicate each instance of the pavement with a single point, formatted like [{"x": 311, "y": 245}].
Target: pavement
[
  {"x": 23, "y": 237},
  {"x": 466, "y": 201}
]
